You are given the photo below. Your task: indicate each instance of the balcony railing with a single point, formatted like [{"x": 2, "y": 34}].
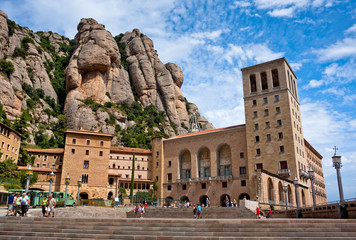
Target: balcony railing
[
  {"x": 303, "y": 173},
  {"x": 204, "y": 179},
  {"x": 284, "y": 172}
]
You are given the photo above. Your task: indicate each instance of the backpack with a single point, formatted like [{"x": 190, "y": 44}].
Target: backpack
[{"x": 24, "y": 201}]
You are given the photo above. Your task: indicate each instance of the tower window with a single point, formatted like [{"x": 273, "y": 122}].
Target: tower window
[
  {"x": 253, "y": 83},
  {"x": 101, "y": 143},
  {"x": 266, "y": 112},
  {"x": 267, "y": 125},
  {"x": 255, "y": 114},
  {"x": 279, "y": 123},
  {"x": 242, "y": 155},
  {"x": 101, "y": 153},
  {"x": 278, "y": 110},
  {"x": 281, "y": 149},
  {"x": 275, "y": 78},
  {"x": 264, "y": 80},
  {"x": 243, "y": 183},
  {"x": 280, "y": 135},
  {"x": 257, "y": 138},
  {"x": 74, "y": 141},
  {"x": 86, "y": 152},
  {"x": 256, "y": 126},
  {"x": 242, "y": 170},
  {"x": 265, "y": 100},
  {"x": 73, "y": 150},
  {"x": 169, "y": 187},
  {"x": 254, "y": 102},
  {"x": 268, "y": 137},
  {"x": 276, "y": 98},
  {"x": 258, "y": 152},
  {"x": 88, "y": 142},
  {"x": 259, "y": 166},
  {"x": 86, "y": 164}
]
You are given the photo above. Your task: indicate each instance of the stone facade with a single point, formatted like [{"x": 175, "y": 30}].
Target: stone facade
[{"x": 10, "y": 141}]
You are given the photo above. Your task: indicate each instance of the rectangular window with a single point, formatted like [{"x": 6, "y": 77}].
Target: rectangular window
[
  {"x": 38, "y": 165},
  {"x": 280, "y": 135},
  {"x": 43, "y": 165},
  {"x": 45, "y": 157},
  {"x": 169, "y": 177},
  {"x": 86, "y": 164},
  {"x": 279, "y": 123},
  {"x": 224, "y": 184},
  {"x": 278, "y": 110},
  {"x": 257, "y": 138},
  {"x": 281, "y": 149},
  {"x": 184, "y": 187},
  {"x": 243, "y": 183},
  {"x": 74, "y": 141},
  {"x": 86, "y": 152},
  {"x": 268, "y": 137},
  {"x": 255, "y": 114},
  {"x": 275, "y": 78},
  {"x": 203, "y": 186},
  {"x": 242, "y": 170},
  {"x": 266, "y": 112},
  {"x": 169, "y": 163},
  {"x": 242, "y": 155},
  {"x": 276, "y": 98},
  {"x": 265, "y": 100},
  {"x": 253, "y": 83},
  {"x": 283, "y": 164},
  {"x": 101, "y": 153},
  {"x": 85, "y": 178},
  {"x": 259, "y": 166},
  {"x": 256, "y": 126},
  {"x": 73, "y": 151},
  {"x": 187, "y": 173},
  {"x": 264, "y": 83},
  {"x": 267, "y": 125},
  {"x": 127, "y": 175},
  {"x": 101, "y": 143},
  {"x": 169, "y": 187},
  {"x": 88, "y": 142},
  {"x": 254, "y": 102},
  {"x": 139, "y": 176},
  {"x": 258, "y": 152}
]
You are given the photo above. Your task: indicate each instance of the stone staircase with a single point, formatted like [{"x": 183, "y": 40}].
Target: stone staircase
[
  {"x": 207, "y": 213},
  {"x": 92, "y": 228}
]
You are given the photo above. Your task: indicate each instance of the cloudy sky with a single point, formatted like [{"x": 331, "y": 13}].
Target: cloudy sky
[{"x": 213, "y": 40}]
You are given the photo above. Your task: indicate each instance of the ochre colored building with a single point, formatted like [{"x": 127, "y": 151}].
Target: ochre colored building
[{"x": 10, "y": 141}]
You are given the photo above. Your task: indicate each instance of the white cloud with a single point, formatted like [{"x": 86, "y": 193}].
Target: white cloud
[
  {"x": 208, "y": 35},
  {"x": 267, "y": 4},
  {"x": 283, "y": 12},
  {"x": 340, "y": 74},
  {"x": 351, "y": 29},
  {"x": 315, "y": 83},
  {"x": 296, "y": 66},
  {"x": 341, "y": 49},
  {"x": 241, "y": 4}
]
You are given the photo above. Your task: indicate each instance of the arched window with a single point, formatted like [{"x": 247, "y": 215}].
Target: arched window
[
  {"x": 204, "y": 162},
  {"x": 270, "y": 191},
  {"x": 185, "y": 165},
  {"x": 224, "y": 160},
  {"x": 275, "y": 78},
  {"x": 253, "y": 83},
  {"x": 281, "y": 193}
]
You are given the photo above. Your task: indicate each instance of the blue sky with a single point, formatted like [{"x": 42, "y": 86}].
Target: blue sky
[{"x": 213, "y": 40}]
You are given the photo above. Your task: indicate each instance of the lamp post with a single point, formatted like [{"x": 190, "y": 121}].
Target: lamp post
[
  {"x": 285, "y": 189},
  {"x": 337, "y": 164},
  {"x": 29, "y": 173},
  {"x": 296, "y": 191},
  {"x": 79, "y": 185},
  {"x": 311, "y": 176},
  {"x": 51, "y": 178},
  {"x": 67, "y": 180}
]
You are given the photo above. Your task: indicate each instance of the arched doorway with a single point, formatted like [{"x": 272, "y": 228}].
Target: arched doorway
[
  {"x": 270, "y": 191},
  {"x": 110, "y": 195},
  {"x": 185, "y": 165},
  {"x": 204, "y": 162},
  {"x": 202, "y": 200},
  {"x": 242, "y": 195},
  {"x": 224, "y": 160},
  {"x": 290, "y": 196},
  {"x": 184, "y": 199},
  {"x": 225, "y": 200},
  {"x": 83, "y": 195},
  {"x": 303, "y": 198}
]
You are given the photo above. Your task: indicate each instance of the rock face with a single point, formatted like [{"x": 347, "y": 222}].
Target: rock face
[{"x": 96, "y": 71}]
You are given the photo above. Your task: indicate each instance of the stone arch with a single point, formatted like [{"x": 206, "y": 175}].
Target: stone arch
[
  {"x": 223, "y": 199},
  {"x": 270, "y": 190},
  {"x": 84, "y": 195},
  {"x": 202, "y": 199},
  {"x": 185, "y": 164},
  {"x": 303, "y": 198},
  {"x": 110, "y": 194},
  {"x": 281, "y": 192},
  {"x": 204, "y": 162},
  {"x": 242, "y": 195},
  {"x": 223, "y": 156},
  {"x": 184, "y": 199}
]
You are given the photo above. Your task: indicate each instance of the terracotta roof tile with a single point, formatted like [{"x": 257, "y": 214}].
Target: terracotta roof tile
[
  {"x": 89, "y": 132},
  {"x": 35, "y": 169},
  {"x": 129, "y": 150},
  {"x": 53, "y": 150}
]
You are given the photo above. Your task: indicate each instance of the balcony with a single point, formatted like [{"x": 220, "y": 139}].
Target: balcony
[
  {"x": 226, "y": 177},
  {"x": 284, "y": 172},
  {"x": 303, "y": 173},
  {"x": 204, "y": 179}
]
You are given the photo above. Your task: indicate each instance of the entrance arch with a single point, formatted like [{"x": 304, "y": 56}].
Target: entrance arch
[
  {"x": 223, "y": 198},
  {"x": 202, "y": 200},
  {"x": 110, "y": 195},
  {"x": 242, "y": 195},
  {"x": 281, "y": 193},
  {"x": 204, "y": 162},
  {"x": 303, "y": 198},
  {"x": 224, "y": 160},
  {"x": 83, "y": 195},
  {"x": 184, "y": 198},
  {"x": 185, "y": 164}
]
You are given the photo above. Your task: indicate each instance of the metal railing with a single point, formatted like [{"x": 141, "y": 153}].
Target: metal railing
[{"x": 283, "y": 171}]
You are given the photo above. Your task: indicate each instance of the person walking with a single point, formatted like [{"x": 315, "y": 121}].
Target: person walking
[
  {"x": 18, "y": 205},
  {"x": 257, "y": 212},
  {"x": 195, "y": 211},
  {"x": 207, "y": 202},
  {"x": 44, "y": 206},
  {"x": 51, "y": 206},
  {"x": 24, "y": 203},
  {"x": 199, "y": 211},
  {"x": 10, "y": 205},
  {"x": 28, "y": 203},
  {"x": 136, "y": 211},
  {"x": 142, "y": 210}
]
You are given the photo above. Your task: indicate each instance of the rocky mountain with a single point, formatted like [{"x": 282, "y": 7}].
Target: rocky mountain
[{"x": 95, "y": 82}]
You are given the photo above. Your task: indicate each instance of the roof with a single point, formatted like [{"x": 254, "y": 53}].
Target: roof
[
  {"x": 35, "y": 169},
  {"x": 129, "y": 150},
  {"x": 5, "y": 126},
  {"x": 88, "y": 133},
  {"x": 269, "y": 62},
  {"x": 308, "y": 145},
  {"x": 50, "y": 151},
  {"x": 207, "y": 131}
]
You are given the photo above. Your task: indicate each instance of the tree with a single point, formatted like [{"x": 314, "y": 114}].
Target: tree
[
  {"x": 154, "y": 188},
  {"x": 8, "y": 169},
  {"x": 132, "y": 176},
  {"x": 122, "y": 192}
]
